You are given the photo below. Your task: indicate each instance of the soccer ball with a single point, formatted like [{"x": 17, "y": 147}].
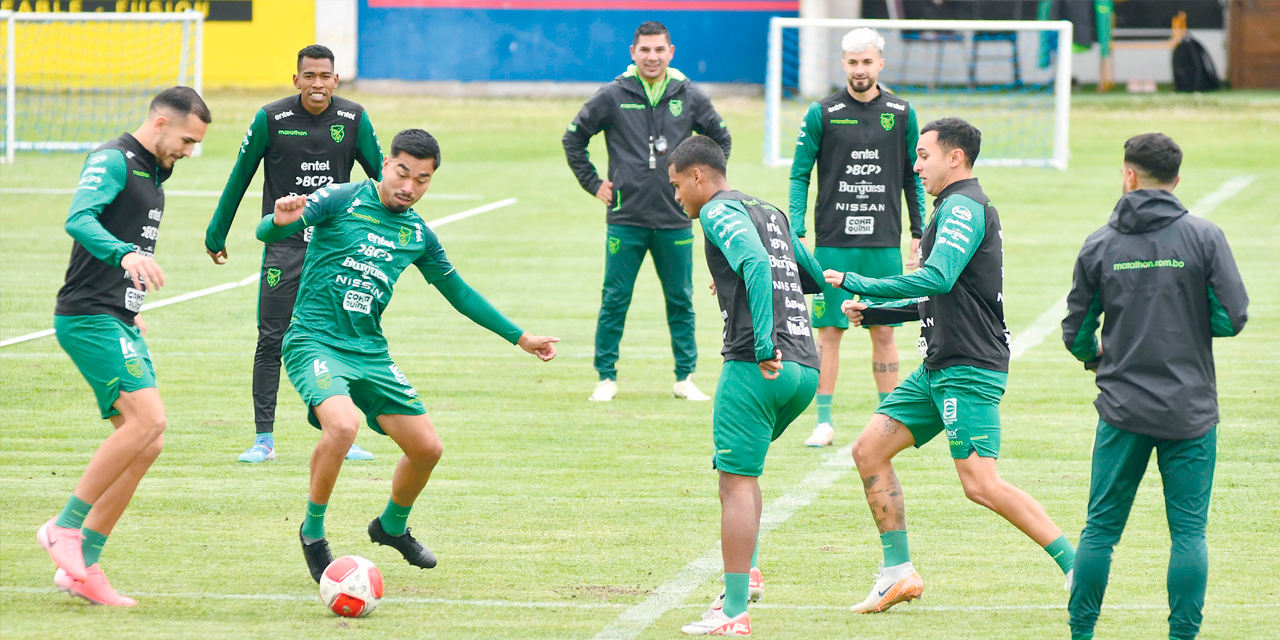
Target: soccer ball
[{"x": 351, "y": 587}]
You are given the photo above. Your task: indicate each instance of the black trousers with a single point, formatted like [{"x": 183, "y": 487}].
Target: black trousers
[{"x": 277, "y": 291}]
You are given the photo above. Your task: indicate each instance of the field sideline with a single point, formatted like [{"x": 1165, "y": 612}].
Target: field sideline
[{"x": 553, "y": 516}]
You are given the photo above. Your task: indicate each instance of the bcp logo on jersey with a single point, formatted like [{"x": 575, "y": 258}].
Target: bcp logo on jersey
[
  {"x": 338, "y": 132},
  {"x": 948, "y": 410}
]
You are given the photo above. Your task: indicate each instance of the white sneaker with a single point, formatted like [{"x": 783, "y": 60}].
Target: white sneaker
[
  {"x": 605, "y": 391},
  {"x": 891, "y": 587},
  {"x": 715, "y": 623},
  {"x": 687, "y": 390},
  {"x": 1071, "y": 580},
  {"x": 823, "y": 435}
]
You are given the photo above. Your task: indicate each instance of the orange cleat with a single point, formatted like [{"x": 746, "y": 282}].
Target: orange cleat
[{"x": 889, "y": 591}]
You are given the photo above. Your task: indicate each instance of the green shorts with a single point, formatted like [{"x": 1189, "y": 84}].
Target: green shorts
[
  {"x": 111, "y": 355},
  {"x": 751, "y": 412},
  {"x": 872, "y": 262},
  {"x": 963, "y": 400},
  {"x": 372, "y": 381}
]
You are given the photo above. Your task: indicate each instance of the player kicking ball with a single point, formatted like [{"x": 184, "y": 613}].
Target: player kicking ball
[
  {"x": 770, "y": 374},
  {"x": 365, "y": 235},
  {"x": 115, "y": 221},
  {"x": 957, "y": 298}
]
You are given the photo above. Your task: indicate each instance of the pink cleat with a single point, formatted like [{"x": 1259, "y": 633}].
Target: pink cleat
[
  {"x": 63, "y": 545},
  {"x": 96, "y": 589}
]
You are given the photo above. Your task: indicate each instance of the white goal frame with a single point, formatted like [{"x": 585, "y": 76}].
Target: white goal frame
[
  {"x": 192, "y": 31},
  {"x": 1061, "y": 89}
]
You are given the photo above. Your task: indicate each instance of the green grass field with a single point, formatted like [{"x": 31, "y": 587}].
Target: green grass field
[{"x": 553, "y": 516}]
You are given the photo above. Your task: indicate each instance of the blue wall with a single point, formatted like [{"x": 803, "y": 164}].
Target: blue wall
[{"x": 565, "y": 46}]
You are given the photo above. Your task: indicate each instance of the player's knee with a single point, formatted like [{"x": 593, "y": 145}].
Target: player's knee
[
  {"x": 153, "y": 450},
  {"x": 980, "y": 491},
  {"x": 866, "y": 455},
  {"x": 429, "y": 452},
  {"x": 343, "y": 429}
]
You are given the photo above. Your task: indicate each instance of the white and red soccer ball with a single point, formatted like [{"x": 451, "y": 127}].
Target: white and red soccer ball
[{"x": 351, "y": 587}]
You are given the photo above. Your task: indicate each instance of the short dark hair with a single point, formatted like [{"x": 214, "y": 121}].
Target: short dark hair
[
  {"x": 1154, "y": 154},
  {"x": 698, "y": 151},
  {"x": 954, "y": 133},
  {"x": 650, "y": 28},
  {"x": 315, "y": 52},
  {"x": 417, "y": 143},
  {"x": 181, "y": 101}
]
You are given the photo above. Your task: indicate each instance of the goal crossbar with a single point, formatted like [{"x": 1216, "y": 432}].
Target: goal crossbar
[{"x": 1062, "y": 75}]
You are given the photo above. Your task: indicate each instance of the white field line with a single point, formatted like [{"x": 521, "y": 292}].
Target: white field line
[
  {"x": 633, "y": 621},
  {"x": 252, "y": 278},
  {"x": 179, "y": 193},
  {"x": 568, "y": 604},
  {"x": 1051, "y": 319}
]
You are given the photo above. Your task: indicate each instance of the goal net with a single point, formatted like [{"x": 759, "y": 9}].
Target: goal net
[
  {"x": 72, "y": 81},
  {"x": 1009, "y": 78}
]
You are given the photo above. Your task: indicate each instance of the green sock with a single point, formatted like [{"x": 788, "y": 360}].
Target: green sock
[
  {"x": 73, "y": 515},
  {"x": 91, "y": 546},
  {"x": 394, "y": 518},
  {"x": 883, "y": 395},
  {"x": 1087, "y": 636},
  {"x": 736, "y": 587},
  {"x": 755, "y": 553},
  {"x": 313, "y": 524},
  {"x": 1062, "y": 552},
  {"x": 824, "y": 408},
  {"x": 895, "y": 548}
]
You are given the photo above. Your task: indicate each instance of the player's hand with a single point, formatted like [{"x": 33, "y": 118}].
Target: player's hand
[
  {"x": 142, "y": 326},
  {"x": 143, "y": 270},
  {"x": 218, "y": 258},
  {"x": 770, "y": 368},
  {"x": 913, "y": 262},
  {"x": 833, "y": 277},
  {"x": 542, "y": 346},
  {"x": 713, "y": 287},
  {"x": 288, "y": 210},
  {"x": 605, "y": 192},
  {"x": 853, "y": 310}
]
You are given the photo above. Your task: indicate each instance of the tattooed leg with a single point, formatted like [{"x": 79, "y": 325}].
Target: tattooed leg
[{"x": 873, "y": 452}]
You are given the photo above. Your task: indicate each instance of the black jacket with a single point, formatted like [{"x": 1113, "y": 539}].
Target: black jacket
[
  {"x": 1166, "y": 284},
  {"x": 634, "y": 132}
]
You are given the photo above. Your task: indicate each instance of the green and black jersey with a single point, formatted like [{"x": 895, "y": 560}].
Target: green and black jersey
[
  {"x": 358, "y": 250},
  {"x": 958, "y": 294},
  {"x": 761, "y": 272},
  {"x": 303, "y": 152},
  {"x": 865, "y": 152},
  {"x": 115, "y": 211}
]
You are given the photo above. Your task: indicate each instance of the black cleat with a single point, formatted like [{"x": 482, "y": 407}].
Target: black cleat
[
  {"x": 317, "y": 555},
  {"x": 412, "y": 550}
]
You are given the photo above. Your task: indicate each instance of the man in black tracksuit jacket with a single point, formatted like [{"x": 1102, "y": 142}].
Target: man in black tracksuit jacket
[
  {"x": 1167, "y": 285},
  {"x": 644, "y": 114}
]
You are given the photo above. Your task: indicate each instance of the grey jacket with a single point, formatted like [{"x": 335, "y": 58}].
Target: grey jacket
[{"x": 1165, "y": 284}]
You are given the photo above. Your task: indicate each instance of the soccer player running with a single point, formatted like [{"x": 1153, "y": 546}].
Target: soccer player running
[
  {"x": 308, "y": 140},
  {"x": 1166, "y": 283},
  {"x": 366, "y": 234},
  {"x": 761, "y": 273},
  {"x": 957, "y": 297},
  {"x": 115, "y": 221},
  {"x": 863, "y": 139},
  {"x": 644, "y": 113}
]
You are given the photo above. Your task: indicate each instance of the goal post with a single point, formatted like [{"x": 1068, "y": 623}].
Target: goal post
[
  {"x": 1009, "y": 78},
  {"x": 75, "y": 80}
]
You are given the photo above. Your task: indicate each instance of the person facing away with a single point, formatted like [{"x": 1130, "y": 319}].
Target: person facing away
[
  {"x": 308, "y": 140},
  {"x": 644, "y": 114},
  {"x": 1164, "y": 284}
]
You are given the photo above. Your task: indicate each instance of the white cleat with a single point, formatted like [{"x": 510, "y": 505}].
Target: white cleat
[
  {"x": 605, "y": 391},
  {"x": 823, "y": 435},
  {"x": 755, "y": 588},
  {"x": 890, "y": 589},
  {"x": 1071, "y": 580},
  {"x": 715, "y": 623},
  {"x": 687, "y": 390}
]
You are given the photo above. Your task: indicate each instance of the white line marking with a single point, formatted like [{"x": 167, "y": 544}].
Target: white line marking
[
  {"x": 670, "y": 594},
  {"x": 180, "y": 193},
  {"x": 254, "y": 277},
  {"x": 1051, "y": 319}
]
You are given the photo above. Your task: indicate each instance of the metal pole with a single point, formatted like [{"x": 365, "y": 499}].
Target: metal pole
[
  {"x": 773, "y": 95},
  {"x": 1062, "y": 98}
]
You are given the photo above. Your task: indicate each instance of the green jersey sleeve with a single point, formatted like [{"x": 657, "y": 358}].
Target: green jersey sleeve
[
  {"x": 369, "y": 152},
  {"x": 252, "y": 149},
  {"x": 733, "y": 233},
  {"x": 807, "y": 145},
  {"x": 955, "y": 244},
  {"x": 320, "y": 205},
  {"x": 101, "y": 180}
]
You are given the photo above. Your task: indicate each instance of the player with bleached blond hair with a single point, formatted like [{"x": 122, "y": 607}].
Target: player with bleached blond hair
[{"x": 863, "y": 140}]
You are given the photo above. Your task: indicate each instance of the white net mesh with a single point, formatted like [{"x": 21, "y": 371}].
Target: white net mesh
[
  {"x": 1004, "y": 81},
  {"x": 78, "y": 82}
]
